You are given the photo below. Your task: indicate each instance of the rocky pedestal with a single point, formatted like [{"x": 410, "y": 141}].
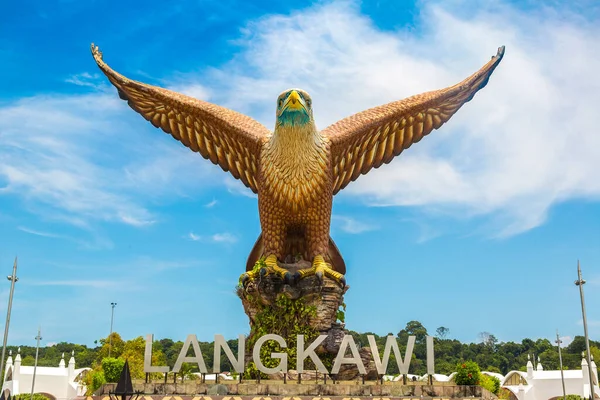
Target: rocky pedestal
[{"x": 326, "y": 296}]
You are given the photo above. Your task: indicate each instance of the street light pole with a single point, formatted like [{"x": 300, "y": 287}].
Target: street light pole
[
  {"x": 12, "y": 278},
  {"x": 580, "y": 282},
  {"x": 562, "y": 374},
  {"x": 112, "y": 315},
  {"x": 37, "y": 349}
]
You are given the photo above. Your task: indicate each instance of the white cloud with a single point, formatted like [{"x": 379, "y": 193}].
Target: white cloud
[
  {"x": 39, "y": 233},
  {"x": 93, "y": 283},
  {"x": 85, "y": 79},
  {"x": 565, "y": 341},
  {"x": 236, "y": 187},
  {"x": 190, "y": 89},
  {"x": 526, "y": 142},
  {"x": 85, "y": 158},
  {"x": 211, "y": 204},
  {"x": 94, "y": 242},
  {"x": 351, "y": 225},
  {"x": 426, "y": 231},
  {"x": 594, "y": 281},
  {"x": 224, "y": 237},
  {"x": 590, "y": 322}
]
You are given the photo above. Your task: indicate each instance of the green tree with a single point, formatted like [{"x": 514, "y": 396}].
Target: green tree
[
  {"x": 413, "y": 328},
  {"x": 133, "y": 353},
  {"x": 112, "y": 368},
  {"x": 116, "y": 346},
  {"x": 441, "y": 332},
  {"x": 577, "y": 345},
  {"x": 28, "y": 361},
  {"x": 488, "y": 340}
]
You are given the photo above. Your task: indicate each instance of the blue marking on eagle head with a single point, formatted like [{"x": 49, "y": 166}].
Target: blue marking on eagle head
[{"x": 294, "y": 108}]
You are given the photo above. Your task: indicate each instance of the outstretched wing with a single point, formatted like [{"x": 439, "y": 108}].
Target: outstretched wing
[
  {"x": 373, "y": 137},
  {"x": 225, "y": 137}
]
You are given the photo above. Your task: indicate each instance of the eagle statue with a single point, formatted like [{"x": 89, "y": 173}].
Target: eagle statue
[{"x": 296, "y": 169}]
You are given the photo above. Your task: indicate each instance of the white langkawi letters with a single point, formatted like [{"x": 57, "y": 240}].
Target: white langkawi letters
[{"x": 303, "y": 353}]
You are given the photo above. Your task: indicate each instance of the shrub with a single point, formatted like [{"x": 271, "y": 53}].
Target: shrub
[
  {"x": 93, "y": 380},
  {"x": 27, "y": 396},
  {"x": 112, "y": 368},
  {"x": 467, "y": 373},
  {"x": 97, "y": 380},
  {"x": 490, "y": 383}
]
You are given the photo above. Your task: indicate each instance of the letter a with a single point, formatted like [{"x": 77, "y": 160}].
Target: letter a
[
  {"x": 355, "y": 359},
  {"x": 197, "y": 358}
]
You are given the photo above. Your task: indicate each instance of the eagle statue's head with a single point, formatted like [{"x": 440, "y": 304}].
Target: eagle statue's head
[{"x": 294, "y": 108}]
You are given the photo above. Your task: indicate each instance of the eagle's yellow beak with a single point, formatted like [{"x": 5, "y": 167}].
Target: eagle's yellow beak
[{"x": 294, "y": 102}]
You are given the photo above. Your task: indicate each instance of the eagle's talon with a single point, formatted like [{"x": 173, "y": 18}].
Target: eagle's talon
[
  {"x": 288, "y": 278},
  {"x": 244, "y": 279},
  {"x": 319, "y": 275},
  {"x": 321, "y": 269}
]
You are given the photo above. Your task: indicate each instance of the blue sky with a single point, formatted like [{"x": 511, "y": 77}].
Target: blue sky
[{"x": 477, "y": 228}]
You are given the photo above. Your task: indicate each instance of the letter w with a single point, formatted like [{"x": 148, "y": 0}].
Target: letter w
[{"x": 390, "y": 344}]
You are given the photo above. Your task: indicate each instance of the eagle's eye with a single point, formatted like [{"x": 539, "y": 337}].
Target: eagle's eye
[
  {"x": 308, "y": 103},
  {"x": 280, "y": 102}
]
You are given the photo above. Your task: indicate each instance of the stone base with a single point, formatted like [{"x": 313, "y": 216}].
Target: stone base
[
  {"x": 155, "y": 391},
  {"x": 326, "y": 296}
]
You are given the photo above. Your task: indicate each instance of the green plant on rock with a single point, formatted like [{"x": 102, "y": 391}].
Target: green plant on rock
[
  {"x": 260, "y": 263},
  {"x": 340, "y": 314},
  {"x": 286, "y": 318}
]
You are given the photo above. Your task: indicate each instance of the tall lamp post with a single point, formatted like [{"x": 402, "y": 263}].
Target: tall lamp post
[
  {"x": 112, "y": 316},
  {"x": 562, "y": 374},
  {"x": 12, "y": 278},
  {"x": 580, "y": 282},
  {"x": 37, "y": 349}
]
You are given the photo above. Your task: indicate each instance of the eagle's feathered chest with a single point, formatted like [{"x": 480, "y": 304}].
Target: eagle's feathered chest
[{"x": 295, "y": 168}]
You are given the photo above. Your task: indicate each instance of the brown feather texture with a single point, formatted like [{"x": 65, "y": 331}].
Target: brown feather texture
[
  {"x": 226, "y": 138},
  {"x": 374, "y": 137},
  {"x": 296, "y": 170}
]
